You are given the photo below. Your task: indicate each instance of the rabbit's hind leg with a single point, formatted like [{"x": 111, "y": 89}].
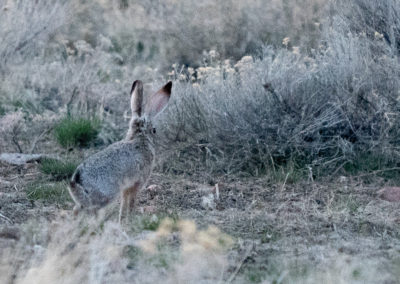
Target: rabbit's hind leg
[{"x": 77, "y": 209}]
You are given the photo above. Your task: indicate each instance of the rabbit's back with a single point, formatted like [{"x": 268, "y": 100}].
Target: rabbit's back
[{"x": 117, "y": 167}]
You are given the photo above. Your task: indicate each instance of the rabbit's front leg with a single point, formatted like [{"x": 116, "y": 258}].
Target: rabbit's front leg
[{"x": 128, "y": 198}]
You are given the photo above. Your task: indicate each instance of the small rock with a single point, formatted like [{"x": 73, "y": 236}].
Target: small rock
[
  {"x": 153, "y": 187},
  {"x": 152, "y": 190},
  {"x": 391, "y": 194},
  {"x": 154, "y": 218},
  {"x": 19, "y": 159},
  {"x": 207, "y": 202},
  {"x": 211, "y": 196}
]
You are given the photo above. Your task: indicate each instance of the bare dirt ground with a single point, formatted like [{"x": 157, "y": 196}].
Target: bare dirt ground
[{"x": 334, "y": 232}]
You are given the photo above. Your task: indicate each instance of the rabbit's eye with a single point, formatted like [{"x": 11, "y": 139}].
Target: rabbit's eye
[{"x": 154, "y": 131}]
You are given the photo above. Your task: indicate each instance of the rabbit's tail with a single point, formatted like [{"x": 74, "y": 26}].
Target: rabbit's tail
[
  {"x": 75, "y": 179},
  {"x": 76, "y": 191}
]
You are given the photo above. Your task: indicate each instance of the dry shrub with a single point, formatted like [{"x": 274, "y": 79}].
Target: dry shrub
[
  {"x": 99, "y": 251},
  {"x": 330, "y": 86},
  {"x": 25, "y": 28},
  {"x": 91, "y": 250},
  {"x": 320, "y": 110},
  {"x": 166, "y": 32},
  {"x": 11, "y": 126}
]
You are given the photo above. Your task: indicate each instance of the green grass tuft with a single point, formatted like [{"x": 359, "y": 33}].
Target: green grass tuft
[
  {"x": 269, "y": 234},
  {"x": 57, "y": 169},
  {"x": 72, "y": 132},
  {"x": 134, "y": 255},
  {"x": 55, "y": 193},
  {"x": 151, "y": 222},
  {"x": 255, "y": 275},
  {"x": 289, "y": 172}
]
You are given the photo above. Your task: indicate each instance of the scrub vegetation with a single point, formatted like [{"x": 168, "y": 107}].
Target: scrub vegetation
[{"x": 283, "y": 125}]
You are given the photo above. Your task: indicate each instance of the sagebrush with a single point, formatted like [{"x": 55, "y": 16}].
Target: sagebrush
[{"x": 314, "y": 97}]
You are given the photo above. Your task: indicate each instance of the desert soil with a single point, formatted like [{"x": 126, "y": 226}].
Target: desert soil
[{"x": 279, "y": 229}]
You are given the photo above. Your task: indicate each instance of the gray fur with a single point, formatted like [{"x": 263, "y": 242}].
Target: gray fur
[
  {"x": 100, "y": 178},
  {"x": 121, "y": 169}
]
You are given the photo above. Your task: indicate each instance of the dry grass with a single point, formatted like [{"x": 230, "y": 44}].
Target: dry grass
[
  {"x": 334, "y": 232},
  {"x": 268, "y": 100},
  {"x": 331, "y": 86}
]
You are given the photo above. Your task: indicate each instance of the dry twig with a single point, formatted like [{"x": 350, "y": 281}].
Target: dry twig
[
  {"x": 6, "y": 218},
  {"x": 240, "y": 264}
]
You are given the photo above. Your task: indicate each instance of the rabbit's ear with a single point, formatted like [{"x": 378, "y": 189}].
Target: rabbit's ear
[
  {"x": 158, "y": 101},
  {"x": 137, "y": 98}
]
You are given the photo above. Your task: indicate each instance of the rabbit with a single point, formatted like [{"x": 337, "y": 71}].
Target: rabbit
[{"x": 124, "y": 167}]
